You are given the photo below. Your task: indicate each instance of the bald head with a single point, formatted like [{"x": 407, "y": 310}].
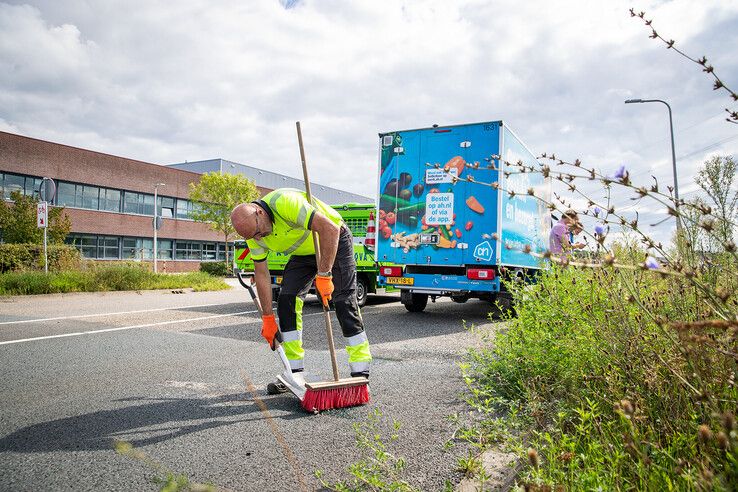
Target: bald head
[
  {"x": 251, "y": 221},
  {"x": 243, "y": 218}
]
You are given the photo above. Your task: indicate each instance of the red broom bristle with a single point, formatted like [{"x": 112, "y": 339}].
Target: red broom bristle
[{"x": 327, "y": 399}]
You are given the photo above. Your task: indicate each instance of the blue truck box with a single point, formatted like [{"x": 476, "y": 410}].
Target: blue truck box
[{"x": 447, "y": 215}]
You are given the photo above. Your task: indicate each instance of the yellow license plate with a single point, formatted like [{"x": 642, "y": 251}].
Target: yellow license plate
[
  {"x": 278, "y": 280},
  {"x": 401, "y": 280}
]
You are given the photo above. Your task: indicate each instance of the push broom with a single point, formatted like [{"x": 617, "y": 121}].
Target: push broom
[{"x": 339, "y": 393}]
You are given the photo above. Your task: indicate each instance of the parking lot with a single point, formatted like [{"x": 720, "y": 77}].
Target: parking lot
[{"x": 169, "y": 373}]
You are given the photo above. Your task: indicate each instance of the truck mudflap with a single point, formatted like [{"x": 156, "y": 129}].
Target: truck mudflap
[{"x": 440, "y": 284}]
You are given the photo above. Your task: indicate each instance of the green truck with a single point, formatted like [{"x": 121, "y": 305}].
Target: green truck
[{"x": 357, "y": 217}]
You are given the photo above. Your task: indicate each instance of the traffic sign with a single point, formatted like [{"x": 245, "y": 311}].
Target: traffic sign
[
  {"x": 42, "y": 215},
  {"x": 47, "y": 190}
]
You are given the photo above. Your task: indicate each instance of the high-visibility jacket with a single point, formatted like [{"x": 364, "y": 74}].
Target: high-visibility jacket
[{"x": 291, "y": 215}]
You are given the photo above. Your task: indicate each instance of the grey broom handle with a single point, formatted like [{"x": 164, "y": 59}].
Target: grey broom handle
[{"x": 326, "y": 312}]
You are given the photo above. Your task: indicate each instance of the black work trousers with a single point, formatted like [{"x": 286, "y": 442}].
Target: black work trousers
[{"x": 298, "y": 277}]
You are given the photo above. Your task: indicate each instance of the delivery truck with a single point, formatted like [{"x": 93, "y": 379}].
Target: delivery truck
[
  {"x": 360, "y": 219},
  {"x": 446, "y": 212}
]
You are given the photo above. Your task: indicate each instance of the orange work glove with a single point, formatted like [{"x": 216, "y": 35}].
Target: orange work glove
[
  {"x": 269, "y": 329},
  {"x": 324, "y": 285}
]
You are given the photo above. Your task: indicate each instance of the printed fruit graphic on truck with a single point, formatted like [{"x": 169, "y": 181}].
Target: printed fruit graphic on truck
[{"x": 444, "y": 216}]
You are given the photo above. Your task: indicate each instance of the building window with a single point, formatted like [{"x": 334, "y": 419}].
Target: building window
[
  {"x": 27, "y": 185},
  {"x": 86, "y": 244},
  {"x": 164, "y": 249},
  {"x": 110, "y": 200},
  {"x": 148, "y": 205},
  {"x": 130, "y": 249},
  {"x": 108, "y": 247},
  {"x": 184, "y": 209},
  {"x": 166, "y": 207},
  {"x": 11, "y": 183},
  {"x": 138, "y": 249},
  {"x": 90, "y": 197},
  {"x": 131, "y": 203},
  {"x": 32, "y": 186},
  {"x": 147, "y": 248},
  {"x": 135, "y": 248},
  {"x": 65, "y": 195},
  {"x": 187, "y": 250},
  {"x": 209, "y": 251}
]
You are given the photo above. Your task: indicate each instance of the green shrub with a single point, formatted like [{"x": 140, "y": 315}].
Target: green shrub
[
  {"x": 617, "y": 397},
  {"x": 122, "y": 277},
  {"x": 15, "y": 257},
  {"x": 216, "y": 268},
  {"x": 22, "y": 257},
  {"x": 62, "y": 257}
]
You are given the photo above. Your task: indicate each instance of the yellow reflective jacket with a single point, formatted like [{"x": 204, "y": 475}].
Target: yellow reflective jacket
[{"x": 291, "y": 215}]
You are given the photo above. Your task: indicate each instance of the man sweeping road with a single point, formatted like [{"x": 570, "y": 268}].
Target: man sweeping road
[{"x": 282, "y": 222}]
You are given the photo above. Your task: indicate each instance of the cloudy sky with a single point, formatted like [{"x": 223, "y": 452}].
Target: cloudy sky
[{"x": 166, "y": 82}]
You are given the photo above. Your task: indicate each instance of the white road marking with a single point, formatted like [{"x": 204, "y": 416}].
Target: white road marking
[
  {"x": 39, "y": 320},
  {"x": 106, "y": 330},
  {"x": 147, "y": 325}
]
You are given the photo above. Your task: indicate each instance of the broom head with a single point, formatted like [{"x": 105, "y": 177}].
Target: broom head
[{"x": 336, "y": 394}]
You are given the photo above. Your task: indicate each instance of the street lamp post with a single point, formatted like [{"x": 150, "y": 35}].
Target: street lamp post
[
  {"x": 673, "y": 156},
  {"x": 156, "y": 221}
]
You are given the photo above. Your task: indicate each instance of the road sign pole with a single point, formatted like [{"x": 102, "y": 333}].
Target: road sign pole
[
  {"x": 46, "y": 192},
  {"x": 42, "y": 220}
]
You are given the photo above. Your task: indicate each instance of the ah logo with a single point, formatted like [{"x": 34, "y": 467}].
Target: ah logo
[{"x": 483, "y": 251}]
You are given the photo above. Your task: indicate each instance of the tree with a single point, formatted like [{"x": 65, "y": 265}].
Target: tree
[
  {"x": 215, "y": 196},
  {"x": 18, "y": 221},
  {"x": 716, "y": 178}
]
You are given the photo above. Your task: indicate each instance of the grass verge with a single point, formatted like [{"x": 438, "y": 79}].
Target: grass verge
[
  {"x": 610, "y": 389},
  {"x": 104, "y": 278}
]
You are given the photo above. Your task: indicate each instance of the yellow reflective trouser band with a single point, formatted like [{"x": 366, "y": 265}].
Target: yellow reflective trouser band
[
  {"x": 292, "y": 340},
  {"x": 359, "y": 355}
]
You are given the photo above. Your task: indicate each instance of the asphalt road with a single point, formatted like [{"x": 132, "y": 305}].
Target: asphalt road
[{"x": 169, "y": 373}]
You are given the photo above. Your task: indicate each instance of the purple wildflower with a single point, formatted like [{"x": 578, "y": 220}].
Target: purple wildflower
[
  {"x": 652, "y": 263},
  {"x": 600, "y": 229},
  {"x": 621, "y": 172},
  {"x": 597, "y": 211}
]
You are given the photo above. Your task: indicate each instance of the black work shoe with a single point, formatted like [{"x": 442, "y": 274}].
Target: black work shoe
[
  {"x": 362, "y": 374},
  {"x": 276, "y": 388}
]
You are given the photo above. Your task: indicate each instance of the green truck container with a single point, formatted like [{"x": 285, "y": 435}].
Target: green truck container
[{"x": 357, "y": 217}]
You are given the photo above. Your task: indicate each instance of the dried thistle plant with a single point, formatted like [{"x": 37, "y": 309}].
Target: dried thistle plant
[{"x": 718, "y": 83}]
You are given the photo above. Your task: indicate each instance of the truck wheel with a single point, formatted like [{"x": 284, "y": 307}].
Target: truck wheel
[
  {"x": 415, "y": 303},
  {"x": 362, "y": 290}
]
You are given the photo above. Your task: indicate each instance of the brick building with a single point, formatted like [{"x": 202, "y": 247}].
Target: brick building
[{"x": 110, "y": 201}]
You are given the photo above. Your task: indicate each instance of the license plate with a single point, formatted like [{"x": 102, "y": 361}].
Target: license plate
[{"x": 401, "y": 280}]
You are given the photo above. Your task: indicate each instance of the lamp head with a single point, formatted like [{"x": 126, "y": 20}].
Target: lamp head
[{"x": 631, "y": 101}]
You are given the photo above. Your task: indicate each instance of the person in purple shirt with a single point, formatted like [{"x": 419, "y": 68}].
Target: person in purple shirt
[
  {"x": 558, "y": 239},
  {"x": 576, "y": 229}
]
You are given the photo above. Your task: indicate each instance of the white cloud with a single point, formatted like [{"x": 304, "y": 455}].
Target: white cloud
[{"x": 164, "y": 84}]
